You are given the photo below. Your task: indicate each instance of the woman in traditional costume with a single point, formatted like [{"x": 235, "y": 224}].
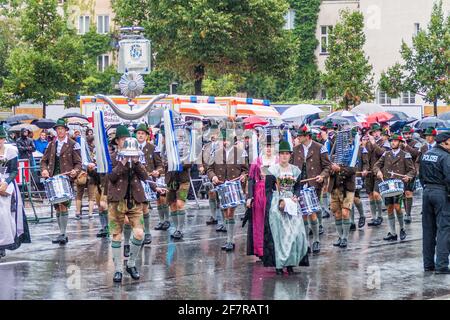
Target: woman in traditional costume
[
  {"x": 285, "y": 242},
  {"x": 256, "y": 199},
  {"x": 13, "y": 222}
]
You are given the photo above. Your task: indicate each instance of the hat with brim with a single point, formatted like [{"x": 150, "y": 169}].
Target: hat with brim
[
  {"x": 441, "y": 137},
  {"x": 329, "y": 125},
  {"x": 430, "y": 131},
  {"x": 61, "y": 123},
  {"x": 304, "y": 131},
  {"x": 142, "y": 127},
  {"x": 407, "y": 129},
  {"x": 396, "y": 137},
  {"x": 121, "y": 131},
  {"x": 375, "y": 127},
  {"x": 284, "y": 147}
]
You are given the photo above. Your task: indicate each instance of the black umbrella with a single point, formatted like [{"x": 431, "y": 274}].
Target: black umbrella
[
  {"x": 75, "y": 115},
  {"x": 444, "y": 116},
  {"x": 44, "y": 123},
  {"x": 20, "y": 117},
  {"x": 431, "y": 122},
  {"x": 401, "y": 116},
  {"x": 336, "y": 120}
]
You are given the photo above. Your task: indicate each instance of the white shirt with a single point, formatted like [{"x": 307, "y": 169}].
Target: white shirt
[
  {"x": 431, "y": 145},
  {"x": 395, "y": 152},
  {"x": 142, "y": 145},
  {"x": 306, "y": 148},
  {"x": 59, "y": 145}
]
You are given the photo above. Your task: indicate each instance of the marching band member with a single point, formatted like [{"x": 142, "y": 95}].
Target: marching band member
[
  {"x": 374, "y": 149},
  {"x": 126, "y": 198},
  {"x": 13, "y": 222},
  {"x": 228, "y": 163},
  {"x": 430, "y": 137},
  {"x": 413, "y": 147},
  {"x": 61, "y": 156},
  {"x": 399, "y": 162},
  {"x": 361, "y": 161},
  {"x": 328, "y": 135},
  {"x": 285, "y": 240},
  {"x": 154, "y": 167},
  {"x": 312, "y": 158},
  {"x": 86, "y": 179},
  {"x": 161, "y": 200}
]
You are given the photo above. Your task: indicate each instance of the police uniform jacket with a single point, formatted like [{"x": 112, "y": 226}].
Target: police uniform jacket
[{"x": 435, "y": 169}]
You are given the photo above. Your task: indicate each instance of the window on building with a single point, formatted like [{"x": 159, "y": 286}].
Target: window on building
[
  {"x": 408, "y": 98},
  {"x": 83, "y": 24},
  {"x": 102, "y": 24},
  {"x": 416, "y": 28},
  {"x": 324, "y": 34},
  {"x": 289, "y": 18},
  {"x": 383, "y": 98},
  {"x": 102, "y": 62}
]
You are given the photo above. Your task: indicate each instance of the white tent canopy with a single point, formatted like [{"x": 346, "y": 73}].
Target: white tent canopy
[{"x": 298, "y": 112}]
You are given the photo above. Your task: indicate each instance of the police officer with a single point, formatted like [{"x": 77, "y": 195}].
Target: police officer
[{"x": 434, "y": 174}]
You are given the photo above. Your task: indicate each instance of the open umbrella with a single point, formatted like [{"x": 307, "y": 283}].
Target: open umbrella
[
  {"x": 401, "y": 116},
  {"x": 75, "y": 115},
  {"x": 379, "y": 117},
  {"x": 19, "y": 127},
  {"x": 335, "y": 119},
  {"x": 444, "y": 116},
  {"x": 431, "y": 122},
  {"x": 299, "y": 111},
  {"x": 20, "y": 117},
  {"x": 368, "y": 108},
  {"x": 44, "y": 123},
  {"x": 253, "y": 121},
  {"x": 353, "y": 117}
]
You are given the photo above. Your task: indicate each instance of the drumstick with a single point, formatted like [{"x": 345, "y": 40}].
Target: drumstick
[
  {"x": 361, "y": 172},
  {"x": 306, "y": 180},
  {"x": 397, "y": 174}
]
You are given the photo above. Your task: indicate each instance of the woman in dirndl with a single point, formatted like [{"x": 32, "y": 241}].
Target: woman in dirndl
[
  {"x": 285, "y": 242},
  {"x": 256, "y": 199},
  {"x": 13, "y": 224}
]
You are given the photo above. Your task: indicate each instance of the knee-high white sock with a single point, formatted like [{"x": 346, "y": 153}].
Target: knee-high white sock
[
  {"x": 126, "y": 234},
  {"x": 181, "y": 219},
  {"x": 135, "y": 248},
  {"x": 117, "y": 255}
]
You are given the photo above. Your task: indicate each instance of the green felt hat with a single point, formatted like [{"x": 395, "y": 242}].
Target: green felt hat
[
  {"x": 61, "y": 123},
  {"x": 304, "y": 131},
  {"x": 430, "y": 131},
  {"x": 407, "y": 129},
  {"x": 121, "y": 131},
  {"x": 375, "y": 127},
  {"x": 329, "y": 124},
  {"x": 142, "y": 127},
  {"x": 396, "y": 136},
  {"x": 284, "y": 146}
]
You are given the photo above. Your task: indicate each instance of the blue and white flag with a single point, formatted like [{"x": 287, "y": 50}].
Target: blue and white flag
[{"x": 173, "y": 157}]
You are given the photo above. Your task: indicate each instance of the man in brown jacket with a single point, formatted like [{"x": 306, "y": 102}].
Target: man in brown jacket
[
  {"x": 61, "y": 156},
  {"x": 399, "y": 162},
  {"x": 154, "y": 167},
  {"x": 228, "y": 163},
  {"x": 126, "y": 198},
  {"x": 312, "y": 159}
]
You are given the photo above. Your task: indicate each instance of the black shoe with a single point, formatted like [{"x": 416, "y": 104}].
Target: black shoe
[
  {"x": 353, "y": 227},
  {"x": 64, "y": 240},
  {"x": 380, "y": 220},
  {"x": 211, "y": 221},
  {"x": 428, "y": 269},
  {"x": 390, "y": 237},
  {"x": 117, "y": 277},
  {"x": 101, "y": 233},
  {"x": 407, "y": 219},
  {"x": 361, "y": 222},
  {"x": 58, "y": 239},
  {"x": 337, "y": 243},
  {"x": 230, "y": 247},
  {"x": 305, "y": 261},
  {"x": 279, "y": 271},
  {"x": 166, "y": 225},
  {"x": 78, "y": 217},
  {"x": 126, "y": 250},
  {"x": 442, "y": 271},
  {"x": 147, "y": 239},
  {"x": 133, "y": 273},
  {"x": 309, "y": 250},
  {"x": 402, "y": 234},
  {"x": 159, "y": 226},
  {"x": 316, "y": 247},
  {"x": 2, "y": 253},
  {"x": 343, "y": 243},
  {"x": 221, "y": 228},
  {"x": 320, "y": 229},
  {"x": 224, "y": 247},
  {"x": 326, "y": 214},
  {"x": 310, "y": 232},
  {"x": 375, "y": 223},
  {"x": 290, "y": 270},
  {"x": 178, "y": 235}
]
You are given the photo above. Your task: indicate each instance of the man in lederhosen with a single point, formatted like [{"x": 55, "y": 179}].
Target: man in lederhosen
[
  {"x": 399, "y": 162},
  {"x": 313, "y": 160},
  {"x": 374, "y": 149},
  {"x": 126, "y": 198},
  {"x": 228, "y": 163},
  {"x": 154, "y": 167},
  {"x": 61, "y": 156},
  {"x": 357, "y": 203},
  {"x": 413, "y": 147}
]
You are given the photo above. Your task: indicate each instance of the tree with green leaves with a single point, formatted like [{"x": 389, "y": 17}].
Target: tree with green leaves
[
  {"x": 306, "y": 79},
  {"x": 48, "y": 61},
  {"x": 426, "y": 66},
  {"x": 196, "y": 38},
  {"x": 349, "y": 77}
]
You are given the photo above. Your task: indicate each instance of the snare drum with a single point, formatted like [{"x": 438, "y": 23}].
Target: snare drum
[
  {"x": 58, "y": 189},
  {"x": 230, "y": 194},
  {"x": 150, "y": 195},
  {"x": 358, "y": 183},
  {"x": 309, "y": 202},
  {"x": 417, "y": 185},
  {"x": 391, "y": 188}
]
